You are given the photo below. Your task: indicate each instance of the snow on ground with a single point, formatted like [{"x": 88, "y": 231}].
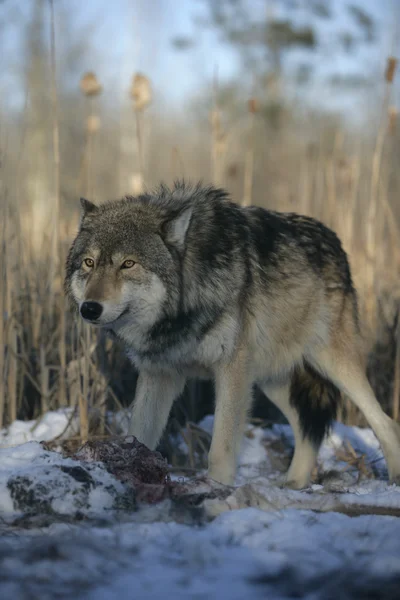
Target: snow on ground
[
  {"x": 240, "y": 555},
  {"x": 34, "y": 479},
  {"x": 52, "y": 424},
  {"x": 363, "y": 441},
  {"x": 278, "y": 543}
]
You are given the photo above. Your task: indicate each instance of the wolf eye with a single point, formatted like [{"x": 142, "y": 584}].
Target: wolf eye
[
  {"x": 89, "y": 262},
  {"x": 128, "y": 264}
]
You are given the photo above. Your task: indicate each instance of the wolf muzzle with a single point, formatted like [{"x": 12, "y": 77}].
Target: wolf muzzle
[{"x": 91, "y": 311}]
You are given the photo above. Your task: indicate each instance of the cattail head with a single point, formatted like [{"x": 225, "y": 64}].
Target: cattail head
[
  {"x": 140, "y": 91},
  {"x": 90, "y": 85},
  {"x": 253, "y": 105},
  {"x": 390, "y": 69}
]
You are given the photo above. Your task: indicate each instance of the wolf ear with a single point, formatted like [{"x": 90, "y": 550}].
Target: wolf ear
[
  {"x": 175, "y": 229},
  {"x": 87, "y": 207}
]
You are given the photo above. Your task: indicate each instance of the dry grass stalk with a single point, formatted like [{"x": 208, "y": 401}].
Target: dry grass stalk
[
  {"x": 57, "y": 263},
  {"x": 54, "y": 259},
  {"x": 11, "y": 326},
  {"x": 349, "y": 455},
  {"x": 218, "y": 137},
  {"x": 62, "y": 351},
  {"x": 91, "y": 88},
  {"x": 396, "y": 378},
  {"x": 371, "y": 231},
  {"x": 44, "y": 381},
  {"x": 83, "y": 396},
  {"x": 177, "y": 164},
  {"x": 141, "y": 95},
  {"x": 12, "y": 376},
  {"x": 93, "y": 124},
  {"x": 3, "y": 302},
  {"x": 352, "y": 202},
  {"x": 198, "y": 443},
  {"x": 137, "y": 184},
  {"x": 74, "y": 370},
  {"x": 2, "y": 322},
  {"x": 99, "y": 388},
  {"x": 390, "y": 69},
  {"x": 218, "y": 146},
  {"x": 253, "y": 108},
  {"x": 392, "y": 120},
  {"x": 89, "y": 150},
  {"x": 331, "y": 189},
  {"x": 137, "y": 179}
]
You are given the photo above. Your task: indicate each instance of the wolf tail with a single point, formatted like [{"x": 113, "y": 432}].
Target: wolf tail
[
  {"x": 317, "y": 402},
  {"x": 310, "y": 403}
]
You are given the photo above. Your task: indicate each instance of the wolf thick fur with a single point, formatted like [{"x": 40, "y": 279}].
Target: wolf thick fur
[{"x": 197, "y": 286}]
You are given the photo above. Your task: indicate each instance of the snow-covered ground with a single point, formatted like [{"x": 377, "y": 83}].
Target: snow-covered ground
[
  {"x": 69, "y": 528},
  {"x": 61, "y": 423},
  {"x": 247, "y": 554}
]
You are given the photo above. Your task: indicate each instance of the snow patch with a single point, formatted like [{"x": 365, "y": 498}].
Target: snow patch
[
  {"x": 243, "y": 554},
  {"x": 36, "y": 481},
  {"x": 51, "y": 425}
]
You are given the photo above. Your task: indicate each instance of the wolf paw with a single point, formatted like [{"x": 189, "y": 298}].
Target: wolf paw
[
  {"x": 292, "y": 484},
  {"x": 395, "y": 480}
]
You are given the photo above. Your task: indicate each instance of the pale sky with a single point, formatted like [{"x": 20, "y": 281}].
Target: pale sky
[{"x": 131, "y": 35}]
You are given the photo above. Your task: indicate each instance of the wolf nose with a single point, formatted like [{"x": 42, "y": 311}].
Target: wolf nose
[{"x": 91, "y": 310}]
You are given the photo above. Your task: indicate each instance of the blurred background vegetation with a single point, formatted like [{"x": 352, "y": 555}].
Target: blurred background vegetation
[{"x": 290, "y": 104}]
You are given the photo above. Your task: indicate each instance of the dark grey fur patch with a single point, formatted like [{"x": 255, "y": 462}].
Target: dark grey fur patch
[{"x": 316, "y": 400}]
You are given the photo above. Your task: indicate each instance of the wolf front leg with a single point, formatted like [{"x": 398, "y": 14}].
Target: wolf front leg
[
  {"x": 233, "y": 391},
  {"x": 155, "y": 394}
]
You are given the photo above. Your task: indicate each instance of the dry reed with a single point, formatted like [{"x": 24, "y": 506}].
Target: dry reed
[
  {"x": 141, "y": 95},
  {"x": 253, "y": 106}
]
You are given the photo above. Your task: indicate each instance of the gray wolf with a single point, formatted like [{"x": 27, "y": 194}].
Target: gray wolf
[{"x": 197, "y": 286}]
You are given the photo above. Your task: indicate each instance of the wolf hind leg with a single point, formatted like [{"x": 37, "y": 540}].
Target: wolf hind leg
[
  {"x": 305, "y": 451},
  {"x": 155, "y": 394},
  {"x": 344, "y": 367},
  {"x": 310, "y": 404}
]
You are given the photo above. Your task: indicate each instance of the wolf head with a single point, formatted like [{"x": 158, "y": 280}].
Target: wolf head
[
  {"x": 121, "y": 262},
  {"x": 155, "y": 260}
]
